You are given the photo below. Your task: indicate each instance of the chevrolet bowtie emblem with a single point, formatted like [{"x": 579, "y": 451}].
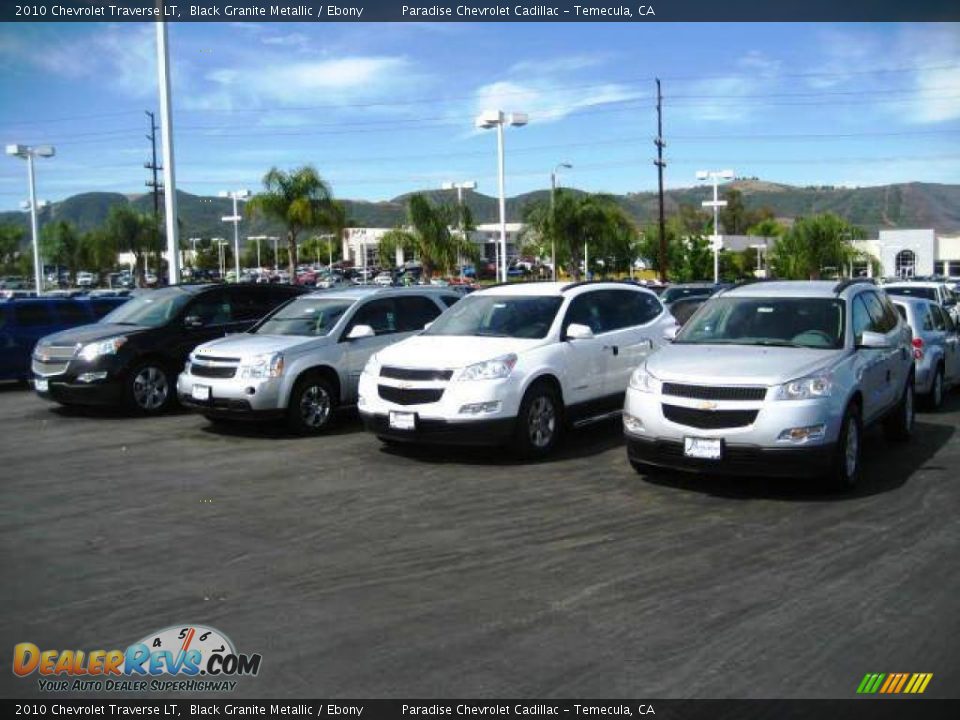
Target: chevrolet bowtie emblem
[{"x": 706, "y": 405}]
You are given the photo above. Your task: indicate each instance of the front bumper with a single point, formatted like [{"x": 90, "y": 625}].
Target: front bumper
[
  {"x": 233, "y": 397},
  {"x": 443, "y": 432},
  {"x": 736, "y": 459},
  {"x": 753, "y": 448},
  {"x": 65, "y": 390}
]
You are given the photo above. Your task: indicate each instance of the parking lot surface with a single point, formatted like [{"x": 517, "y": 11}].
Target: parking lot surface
[{"x": 361, "y": 571}]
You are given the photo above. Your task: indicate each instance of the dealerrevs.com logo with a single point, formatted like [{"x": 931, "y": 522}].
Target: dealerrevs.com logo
[{"x": 187, "y": 658}]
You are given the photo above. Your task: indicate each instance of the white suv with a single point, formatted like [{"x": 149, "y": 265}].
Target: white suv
[
  {"x": 513, "y": 363},
  {"x": 777, "y": 379},
  {"x": 301, "y": 362}
]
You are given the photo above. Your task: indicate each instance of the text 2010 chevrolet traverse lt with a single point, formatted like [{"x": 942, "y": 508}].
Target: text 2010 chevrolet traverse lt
[{"x": 514, "y": 364}]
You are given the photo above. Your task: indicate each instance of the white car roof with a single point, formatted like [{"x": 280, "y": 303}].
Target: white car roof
[
  {"x": 785, "y": 288},
  {"x": 557, "y": 289},
  {"x": 918, "y": 283}
]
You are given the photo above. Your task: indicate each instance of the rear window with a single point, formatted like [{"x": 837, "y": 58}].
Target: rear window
[{"x": 920, "y": 292}]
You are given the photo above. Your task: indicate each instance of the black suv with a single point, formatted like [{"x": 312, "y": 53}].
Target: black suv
[{"x": 133, "y": 355}]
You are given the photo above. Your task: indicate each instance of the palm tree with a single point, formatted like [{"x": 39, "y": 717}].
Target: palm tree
[
  {"x": 433, "y": 233},
  {"x": 130, "y": 231},
  {"x": 300, "y": 200}
]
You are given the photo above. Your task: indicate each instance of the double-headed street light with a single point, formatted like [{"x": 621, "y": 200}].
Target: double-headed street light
[
  {"x": 28, "y": 153},
  {"x": 235, "y": 195},
  {"x": 460, "y": 187},
  {"x": 487, "y": 120},
  {"x": 716, "y": 242},
  {"x": 553, "y": 214}
]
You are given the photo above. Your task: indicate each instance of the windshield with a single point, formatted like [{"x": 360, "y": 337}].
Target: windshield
[
  {"x": 675, "y": 293},
  {"x": 513, "y": 316},
  {"x": 786, "y": 322},
  {"x": 152, "y": 309},
  {"x": 921, "y": 292},
  {"x": 308, "y": 317}
]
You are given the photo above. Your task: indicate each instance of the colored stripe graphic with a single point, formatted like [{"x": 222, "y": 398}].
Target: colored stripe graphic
[{"x": 894, "y": 683}]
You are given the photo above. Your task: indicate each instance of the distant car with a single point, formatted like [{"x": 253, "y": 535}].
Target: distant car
[
  {"x": 936, "y": 347},
  {"x": 384, "y": 279},
  {"x": 86, "y": 279},
  {"x": 24, "y": 322},
  {"x": 301, "y": 363},
  {"x": 686, "y": 290},
  {"x": 326, "y": 282},
  {"x": 938, "y": 292},
  {"x": 132, "y": 356}
]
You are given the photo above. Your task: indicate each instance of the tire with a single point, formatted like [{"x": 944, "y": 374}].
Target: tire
[
  {"x": 934, "y": 399},
  {"x": 846, "y": 468},
  {"x": 899, "y": 425},
  {"x": 641, "y": 468},
  {"x": 539, "y": 422},
  {"x": 311, "y": 405},
  {"x": 150, "y": 389}
]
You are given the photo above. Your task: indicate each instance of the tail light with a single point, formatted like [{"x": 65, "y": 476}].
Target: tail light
[{"x": 918, "y": 348}]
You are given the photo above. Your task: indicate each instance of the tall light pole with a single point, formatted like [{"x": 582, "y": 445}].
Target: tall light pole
[
  {"x": 29, "y": 153},
  {"x": 235, "y": 195},
  {"x": 553, "y": 214},
  {"x": 497, "y": 119},
  {"x": 716, "y": 241},
  {"x": 460, "y": 187},
  {"x": 166, "y": 129}
]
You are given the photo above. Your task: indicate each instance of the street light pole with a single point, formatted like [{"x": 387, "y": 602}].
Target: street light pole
[
  {"x": 28, "y": 153},
  {"x": 166, "y": 129},
  {"x": 715, "y": 239},
  {"x": 553, "y": 216},
  {"x": 497, "y": 119},
  {"x": 235, "y": 195}
]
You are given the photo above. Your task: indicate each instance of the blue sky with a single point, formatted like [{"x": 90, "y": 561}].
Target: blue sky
[{"x": 383, "y": 109}]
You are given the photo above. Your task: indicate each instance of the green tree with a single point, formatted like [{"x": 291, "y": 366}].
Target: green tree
[
  {"x": 10, "y": 238},
  {"x": 432, "y": 233},
  {"x": 768, "y": 227},
  {"x": 130, "y": 231},
  {"x": 813, "y": 245},
  {"x": 300, "y": 199},
  {"x": 60, "y": 244}
]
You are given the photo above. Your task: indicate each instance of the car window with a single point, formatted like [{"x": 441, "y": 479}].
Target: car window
[
  {"x": 862, "y": 322},
  {"x": 381, "y": 315},
  {"x": 891, "y": 316},
  {"x": 936, "y": 316},
  {"x": 250, "y": 304},
  {"x": 928, "y": 293},
  {"x": 33, "y": 314},
  {"x": 414, "y": 312},
  {"x": 211, "y": 309},
  {"x": 449, "y": 300},
  {"x": 586, "y": 309},
  {"x": 948, "y": 321},
  {"x": 73, "y": 313},
  {"x": 306, "y": 316},
  {"x": 881, "y": 321},
  {"x": 926, "y": 322},
  {"x": 639, "y": 308},
  {"x": 483, "y": 315}
]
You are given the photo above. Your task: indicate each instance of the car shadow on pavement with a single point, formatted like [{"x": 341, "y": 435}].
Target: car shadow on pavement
[
  {"x": 346, "y": 422},
  {"x": 577, "y": 443},
  {"x": 886, "y": 466},
  {"x": 109, "y": 412}
]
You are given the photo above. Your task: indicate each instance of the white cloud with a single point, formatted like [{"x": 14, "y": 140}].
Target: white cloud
[
  {"x": 566, "y": 64},
  {"x": 725, "y": 98}
]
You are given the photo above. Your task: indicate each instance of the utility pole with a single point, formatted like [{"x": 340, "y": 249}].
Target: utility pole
[
  {"x": 166, "y": 129},
  {"x": 659, "y": 162},
  {"x": 154, "y": 184}
]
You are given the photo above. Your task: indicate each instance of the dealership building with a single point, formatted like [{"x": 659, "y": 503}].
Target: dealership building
[
  {"x": 911, "y": 253},
  {"x": 360, "y": 242}
]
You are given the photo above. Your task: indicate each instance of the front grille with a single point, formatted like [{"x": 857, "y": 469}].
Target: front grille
[
  {"x": 398, "y": 373},
  {"x": 50, "y": 367},
  {"x": 409, "y": 396},
  {"x": 212, "y": 371},
  {"x": 704, "y": 392},
  {"x": 55, "y": 352},
  {"x": 709, "y": 419}
]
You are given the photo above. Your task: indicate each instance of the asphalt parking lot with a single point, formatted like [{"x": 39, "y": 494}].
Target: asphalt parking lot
[{"x": 360, "y": 571}]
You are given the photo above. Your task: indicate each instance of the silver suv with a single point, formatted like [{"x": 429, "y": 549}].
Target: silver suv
[
  {"x": 302, "y": 362},
  {"x": 775, "y": 378}
]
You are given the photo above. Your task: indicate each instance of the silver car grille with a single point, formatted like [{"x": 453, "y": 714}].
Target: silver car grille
[{"x": 52, "y": 359}]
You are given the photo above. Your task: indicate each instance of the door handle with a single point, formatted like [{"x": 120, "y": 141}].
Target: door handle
[{"x": 613, "y": 348}]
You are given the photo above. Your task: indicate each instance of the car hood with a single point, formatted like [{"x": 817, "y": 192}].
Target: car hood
[
  {"x": 83, "y": 334},
  {"x": 736, "y": 364},
  {"x": 247, "y": 344},
  {"x": 449, "y": 351}
]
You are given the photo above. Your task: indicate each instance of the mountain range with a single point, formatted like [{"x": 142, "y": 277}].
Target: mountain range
[{"x": 906, "y": 205}]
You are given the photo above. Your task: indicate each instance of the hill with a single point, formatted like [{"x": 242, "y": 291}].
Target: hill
[{"x": 907, "y": 205}]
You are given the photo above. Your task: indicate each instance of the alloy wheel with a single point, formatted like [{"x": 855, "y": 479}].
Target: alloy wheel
[
  {"x": 315, "y": 406},
  {"x": 150, "y": 388},
  {"x": 852, "y": 449},
  {"x": 541, "y": 422}
]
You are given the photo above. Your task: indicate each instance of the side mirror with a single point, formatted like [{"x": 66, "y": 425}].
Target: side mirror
[
  {"x": 576, "y": 331},
  {"x": 670, "y": 333},
  {"x": 357, "y": 332},
  {"x": 427, "y": 326},
  {"x": 873, "y": 340}
]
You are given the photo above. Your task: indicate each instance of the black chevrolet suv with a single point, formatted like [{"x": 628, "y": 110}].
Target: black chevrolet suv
[{"x": 133, "y": 355}]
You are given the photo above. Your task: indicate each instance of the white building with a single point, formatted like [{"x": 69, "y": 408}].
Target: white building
[
  {"x": 357, "y": 241},
  {"x": 909, "y": 253}
]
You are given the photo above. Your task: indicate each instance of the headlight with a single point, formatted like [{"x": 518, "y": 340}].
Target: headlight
[
  {"x": 263, "y": 366},
  {"x": 104, "y": 347},
  {"x": 495, "y": 369},
  {"x": 643, "y": 381},
  {"x": 805, "y": 388},
  {"x": 372, "y": 367}
]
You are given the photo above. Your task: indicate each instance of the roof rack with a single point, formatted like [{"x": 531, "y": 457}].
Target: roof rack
[{"x": 848, "y": 282}]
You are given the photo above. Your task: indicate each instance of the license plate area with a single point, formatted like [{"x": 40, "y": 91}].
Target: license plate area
[
  {"x": 201, "y": 393},
  {"x": 403, "y": 420},
  {"x": 41, "y": 385},
  {"x": 703, "y": 448}
]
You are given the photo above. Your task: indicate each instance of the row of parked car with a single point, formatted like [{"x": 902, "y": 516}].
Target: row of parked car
[{"x": 771, "y": 378}]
